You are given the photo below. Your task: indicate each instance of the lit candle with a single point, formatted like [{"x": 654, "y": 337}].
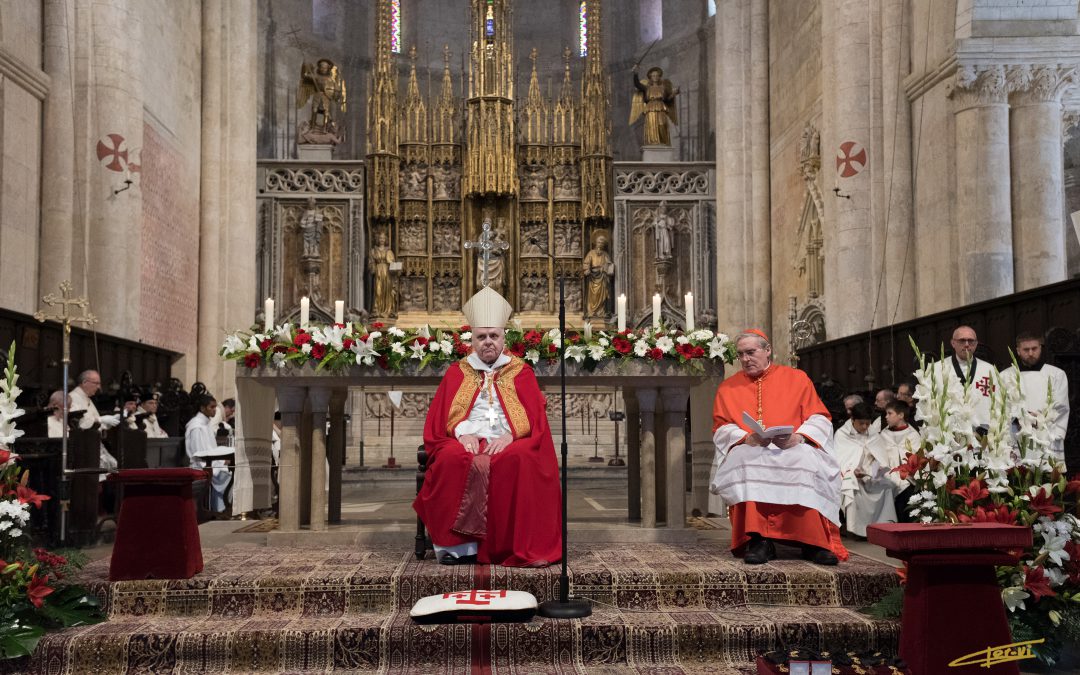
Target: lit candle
[
  {"x": 305, "y": 311},
  {"x": 339, "y": 311},
  {"x": 620, "y": 304},
  {"x": 689, "y": 298},
  {"x": 268, "y": 315},
  {"x": 656, "y": 310}
]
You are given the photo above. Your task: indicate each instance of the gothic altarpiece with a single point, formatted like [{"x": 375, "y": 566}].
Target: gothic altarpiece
[{"x": 538, "y": 170}]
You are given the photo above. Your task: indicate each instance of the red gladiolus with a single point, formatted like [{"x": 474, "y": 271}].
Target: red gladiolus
[
  {"x": 910, "y": 466},
  {"x": 37, "y": 590},
  {"x": 622, "y": 345},
  {"x": 301, "y": 339},
  {"x": 656, "y": 354},
  {"x": 27, "y": 496},
  {"x": 518, "y": 349},
  {"x": 347, "y": 343},
  {"x": 533, "y": 338},
  {"x": 1036, "y": 581},
  {"x": 972, "y": 492},
  {"x": 252, "y": 360},
  {"x": 1044, "y": 504},
  {"x": 318, "y": 351}
]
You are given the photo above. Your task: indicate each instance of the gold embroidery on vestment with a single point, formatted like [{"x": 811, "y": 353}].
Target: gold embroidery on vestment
[
  {"x": 515, "y": 411},
  {"x": 462, "y": 403}
]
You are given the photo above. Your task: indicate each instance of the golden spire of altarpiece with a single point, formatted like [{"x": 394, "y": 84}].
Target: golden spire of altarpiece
[
  {"x": 596, "y": 193},
  {"x": 490, "y": 167},
  {"x": 382, "y": 127}
]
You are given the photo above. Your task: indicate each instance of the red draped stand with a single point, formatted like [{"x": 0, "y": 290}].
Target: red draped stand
[
  {"x": 952, "y": 601},
  {"x": 157, "y": 534}
]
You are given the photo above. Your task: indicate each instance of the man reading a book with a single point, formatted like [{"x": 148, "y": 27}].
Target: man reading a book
[{"x": 775, "y": 469}]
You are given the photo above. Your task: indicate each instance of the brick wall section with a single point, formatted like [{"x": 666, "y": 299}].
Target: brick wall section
[{"x": 170, "y": 246}]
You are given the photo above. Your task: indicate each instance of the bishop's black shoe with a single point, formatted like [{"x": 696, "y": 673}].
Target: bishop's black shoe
[
  {"x": 818, "y": 555},
  {"x": 458, "y": 560},
  {"x": 759, "y": 551}
]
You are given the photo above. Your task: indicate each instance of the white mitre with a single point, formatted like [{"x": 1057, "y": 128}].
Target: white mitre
[{"x": 487, "y": 309}]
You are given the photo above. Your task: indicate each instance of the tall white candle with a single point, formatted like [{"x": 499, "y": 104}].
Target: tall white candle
[
  {"x": 305, "y": 311},
  {"x": 620, "y": 305},
  {"x": 656, "y": 310},
  {"x": 268, "y": 315},
  {"x": 339, "y": 311},
  {"x": 689, "y": 298}
]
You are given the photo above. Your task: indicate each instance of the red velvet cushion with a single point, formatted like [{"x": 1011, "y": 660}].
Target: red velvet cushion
[
  {"x": 165, "y": 475},
  {"x": 948, "y": 536}
]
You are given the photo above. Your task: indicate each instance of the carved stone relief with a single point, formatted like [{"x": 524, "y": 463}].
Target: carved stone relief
[
  {"x": 567, "y": 182},
  {"x": 809, "y": 258},
  {"x": 533, "y": 182},
  {"x": 413, "y": 181},
  {"x": 529, "y": 232},
  {"x": 447, "y": 181},
  {"x": 446, "y": 291},
  {"x": 412, "y": 237},
  {"x": 568, "y": 239},
  {"x": 534, "y": 293}
]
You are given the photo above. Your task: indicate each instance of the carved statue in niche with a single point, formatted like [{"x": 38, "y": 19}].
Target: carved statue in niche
[
  {"x": 445, "y": 182},
  {"x": 664, "y": 232},
  {"x": 655, "y": 99},
  {"x": 384, "y": 293},
  {"x": 533, "y": 183},
  {"x": 599, "y": 272},
  {"x": 567, "y": 185},
  {"x": 412, "y": 182},
  {"x": 324, "y": 86},
  {"x": 311, "y": 229}
]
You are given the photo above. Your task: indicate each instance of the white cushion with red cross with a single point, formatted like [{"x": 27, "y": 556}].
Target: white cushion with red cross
[{"x": 474, "y": 606}]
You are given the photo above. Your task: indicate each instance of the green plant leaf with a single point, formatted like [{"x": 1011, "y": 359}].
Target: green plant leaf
[
  {"x": 72, "y": 606},
  {"x": 18, "y": 640}
]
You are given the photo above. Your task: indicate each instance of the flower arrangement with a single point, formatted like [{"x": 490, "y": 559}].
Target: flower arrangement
[
  {"x": 339, "y": 346},
  {"x": 1009, "y": 475},
  {"x": 33, "y": 594}
]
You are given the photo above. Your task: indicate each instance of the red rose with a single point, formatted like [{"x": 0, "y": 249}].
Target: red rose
[
  {"x": 252, "y": 360},
  {"x": 264, "y": 345},
  {"x": 383, "y": 362},
  {"x": 318, "y": 351},
  {"x": 422, "y": 341},
  {"x": 518, "y": 349},
  {"x": 281, "y": 349},
  {"x": 301, "y": 339},
  {"x": 622, "y": 345},
  {"x": 699, "y": 352},
  {"x": 685, "y": 350},
  {"x": 5, "y": 455},
  {"x": 378, "y": 325},
  {"x": 573, "y": 338},
  {"x": 552, "y": 348},
  {"x": 465, "y": 329},
  {"x": 533, "y": 338},
  {"x": 656, "y": 354},
  {"x": 339, "y": 325},
  {"x": 461, "y": 348},
  {"x": 348, "y": 343}
]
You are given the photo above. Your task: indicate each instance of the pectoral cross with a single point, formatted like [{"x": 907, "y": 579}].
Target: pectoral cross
[
  {"x": 486, "y": 244},
  {"x": 492, "y": 417}
]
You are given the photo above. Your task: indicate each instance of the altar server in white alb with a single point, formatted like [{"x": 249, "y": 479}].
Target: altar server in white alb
[
  {"x": 89, "y": 382},
  {"x": 201, "y": 446},
  {"x": 878, "y": 484},
  {"x": 1045, "y": 387},
  {"x": 784, "y": 488},
  {"x": 963, "y": 368},
  {"x": 850, "y": 446}
]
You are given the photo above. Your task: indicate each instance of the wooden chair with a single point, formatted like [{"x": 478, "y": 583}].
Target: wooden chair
[{"x": 421, "y": 533}]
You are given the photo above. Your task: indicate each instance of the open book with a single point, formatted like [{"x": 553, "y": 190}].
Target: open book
[{"x": 771, "y": 432}]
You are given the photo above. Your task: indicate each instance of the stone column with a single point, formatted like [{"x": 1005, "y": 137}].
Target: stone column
[
  {"x": 703, "y": 450},
  {"x": 847, "y": 149},
  {"x": 675, "y": 437},
  {"x": 646, "y": 399},
  {"x": 320, "y": 402},
  {"x": 1038, "y": 190},
  {"x": 983, "y": 206},
  {"x": 57, "y": 149},
  {"x": 291, "y": 404},
  {"x": 335, "y": 453},
  {"x": 633, "y": 455}
]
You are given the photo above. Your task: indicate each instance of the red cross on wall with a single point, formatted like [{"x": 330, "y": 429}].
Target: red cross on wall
[
  {"x": 474, "y": 597},
  {"x": 112, "y": 153},
  {"x": 851, "y": 159}
]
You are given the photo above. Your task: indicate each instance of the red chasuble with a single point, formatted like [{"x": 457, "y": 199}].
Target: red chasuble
[
  {"x": 781, "y": 397},
  {"x": 519, "y": 523}
]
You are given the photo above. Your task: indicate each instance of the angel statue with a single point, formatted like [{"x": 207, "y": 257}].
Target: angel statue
[
  {"x": 323, "y": 85},
  {"x": 655, "y": 99}
]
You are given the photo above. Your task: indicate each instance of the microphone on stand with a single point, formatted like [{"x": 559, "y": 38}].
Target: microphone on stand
[{"x": 564, "y": 607}]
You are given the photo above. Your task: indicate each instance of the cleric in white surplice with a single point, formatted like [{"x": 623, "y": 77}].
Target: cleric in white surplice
[
  {"x": 964, "y": 368},
  {"x": 1040, "y": 382},
  {"x": 785, "y": 489}
]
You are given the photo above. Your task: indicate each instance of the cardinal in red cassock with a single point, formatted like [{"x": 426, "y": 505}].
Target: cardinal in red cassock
[
  {"x": 491, "y": 492},
  {"x": 785, "y": 488}
]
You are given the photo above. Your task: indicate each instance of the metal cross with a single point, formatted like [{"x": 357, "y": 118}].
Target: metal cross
[
  {"x": 486, "y": 243},
  {"x": 65, "y": 301}
]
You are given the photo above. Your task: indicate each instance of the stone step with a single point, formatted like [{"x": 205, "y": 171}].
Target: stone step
[
  {"x": 610, "y": 641},
  {"x": 282, "y": 583}
]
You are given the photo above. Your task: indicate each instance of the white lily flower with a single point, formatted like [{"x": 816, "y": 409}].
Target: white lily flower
[
  {"x": 1014, "y": 597},
  {"x": 532, "y": 356},
  {"x": 417, "y": 350},
  {"x": 596, "y": 352},
  {"x": 396, "y": 332},
  {"x": 576, "y": 352},
  {"x": 233, "y": 344},
  {"x": 398, "y": 348},
  {"x": 306, "y": 348}
]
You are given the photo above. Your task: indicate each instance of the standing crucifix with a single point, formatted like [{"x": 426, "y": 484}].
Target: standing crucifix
[
  {"x": 64, "y": 302},
  {"x": 489, "y": 270}
]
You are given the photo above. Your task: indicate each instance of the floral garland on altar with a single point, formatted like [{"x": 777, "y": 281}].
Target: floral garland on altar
[
  {"x": 1009, "y": 476},
  {"x": 339, "y": 346},
  {"x": 33, "y": 594}
]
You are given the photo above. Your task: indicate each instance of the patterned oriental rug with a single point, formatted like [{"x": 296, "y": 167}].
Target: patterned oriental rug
[{"x": 658, "y": 609}]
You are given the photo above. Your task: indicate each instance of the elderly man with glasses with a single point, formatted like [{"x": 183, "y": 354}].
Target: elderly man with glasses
[
  {"x": 963, "y": 368},
  {"x": 780, "y": 488}
]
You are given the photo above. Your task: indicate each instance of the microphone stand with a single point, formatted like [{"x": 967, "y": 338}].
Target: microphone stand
[{"x": 564, "y": 607}]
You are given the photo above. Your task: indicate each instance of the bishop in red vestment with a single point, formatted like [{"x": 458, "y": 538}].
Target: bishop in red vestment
[
  {"x": 785, "y": 488},
  {"x": 491, "y": 491}
]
